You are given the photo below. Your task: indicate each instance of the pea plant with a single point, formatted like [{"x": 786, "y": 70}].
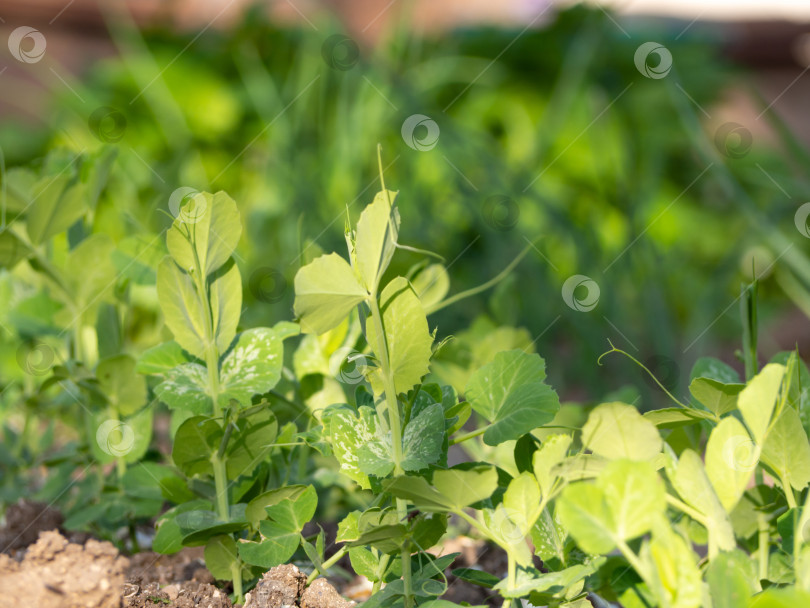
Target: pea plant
[
  {"x": 393, "y": 438},
  {"x": 217, "y": 381}
]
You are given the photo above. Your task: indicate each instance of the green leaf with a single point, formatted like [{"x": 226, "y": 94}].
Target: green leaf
[
  {"x": 521, "y": 500},
  {"x": 709, "y": 367},
  {"x": 463, "y": 487},
  {"x": 583, "y": 511},
  {"x": 675, "y": 576},
  {"x": 422, "y": 439},
  {"x": 220, "y": 554},
  {"x": 281, "y": 533},
  {"x": 251, "y": 444},
  {"x": 162, "y": 358},
  {"x": 364, "y": 563},
  {"x": 124, "y": 389},
  {"x": 326, "y": 290},
  {"x": 252, "y": 366},
  {"x": 421, "y": 494},
  {"x": 624, "y": 503},
  {"x": 781, "y": 598},
  {"x": 731, "y": 577},
  {"x": 12, "y": 249},
  {"x": 349, "y": 433},
  {"x": 55, "y": 207},
  {"x": 431, "y": 285},
  {"x": 674, "y": 417},
  {"x": 476, "y": 577},
  {"x": 255, "y": 510},
  {"x": 407, "y": 336},
  {"x": 195, "y": 441},
  {"x": 719, "y": 398},
  {"x": 635, "y": 496},
  {"x": 206, "y": 230},
  {"x": 693, "y": 485},
  {"x": 758, "y": 399},
  {"x": 182, "y": 308},
  {"x": 186, "y": 388},
  {"x": 89, "y": 273},
  {"x": 787, "y": 450},
  {"x": 616, "y": 430},
  {"x": 375, "y": 243},
  {"x": 511, "y": 394},
  {"x": 548, "y": 537},
  {"x": 550, "y": 454},
  {"x": 170, "y": 532},
  {"x": 731, "y": 457},
  {"x": 225, "y": 287}
]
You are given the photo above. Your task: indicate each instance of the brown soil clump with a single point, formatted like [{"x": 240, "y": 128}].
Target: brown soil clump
[
  {"x": 24, "y": 521},
  {"x": 280, "y": 586},
  {"x": 55, "y": 573},
  {"x": 320, "y": 594}
]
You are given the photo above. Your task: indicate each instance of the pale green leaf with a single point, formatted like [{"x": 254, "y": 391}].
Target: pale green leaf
[
  {"x": 693, "y": 484},
  {"x": 225, "y": 289},
  {"x": 162, "y": 358},
  {"x": 55, "y": 207},
  {"x": 583, "y": 511},
  {"x": 717, "y": 397},
  {"x": 431, "y": 284},
  {"x": 252, "y": 366},
  {"x": 731, "y": 457},
  {"x": 348, "y": 433},
  {"x": 521, "y": 500},
  {"x": 182, "y": 308},
  {"x": 375, "y": 242},
  {"x": 758, "y": 399},
  {"x": 205, "y": 231},
  {"x": 634, "y": 495},
  {"x": 787, "y": 450},
  {"x": 676, "y": 580},
  {"x": 463, "y": 487},
  {"x": 407, "y": 336},
  {"x": 326, "y": 290},
  {"x": 124, "y": 388},
  {"x": 616, "y": 430},
  {"x": 186, "y": 388},
  {"x": 422, "y": 439},
  {"x": 220, "y": 554},
  {"x": 550, "y": 454}
]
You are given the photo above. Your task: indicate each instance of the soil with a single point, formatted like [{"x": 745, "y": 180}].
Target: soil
[
  {"x": 78, "y": 572},
  {"x": 55, "y": 573}
]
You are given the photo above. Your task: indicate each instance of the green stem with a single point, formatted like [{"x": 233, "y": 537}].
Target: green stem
[
  {"x": 685, "y": 508},
  {"x": 236, "y": 576},
  {"x": 788, "y": 490},
  {"x": 220, "y": 483},
  {"x": 396, "y": 433},
  {"x": 510, "y": 578},
  {"x": 469, "y": 435},
  {"x": 764, "y": 541},
  {"x": 327, "y": 564},
  {"x": 633, "y": 560},
  {"x": 380, "y": 573},
  {"x": 613, "y": 349}
]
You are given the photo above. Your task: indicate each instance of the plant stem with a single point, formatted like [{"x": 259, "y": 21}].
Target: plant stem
[
  {"x": 327, "y": 564},
  {"x": 633, "y": 560},
  {"x": 380, "y": 573},
  {"x": 510, "y": 578},
  {"x": 396, "y": 433},
  {"x": 469, "y": 435},
  {"x": 220, "y": 483},
  {"x": 685, "y": 508},
  {"x": 788, "y": 490},
  {"x": 764, "y": 541},
  {"x": 236, "y": 576}
]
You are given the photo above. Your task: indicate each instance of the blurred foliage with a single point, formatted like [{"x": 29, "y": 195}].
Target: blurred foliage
[{"x": 549, "y": 134}]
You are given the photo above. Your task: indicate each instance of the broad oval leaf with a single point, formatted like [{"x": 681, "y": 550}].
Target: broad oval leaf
[
  {"x": 616, "y": 430},
  {"x": 758, "y": 399},
  {"x": 186, "y": 388},
  {"x": 375, "y": 243},
  {"x": 326, "y": 290},
  {"x": 182, "y": 308},
  {"x": 787, "y": 450},
  {"x": 206, "y": 231},
  {"x": 252, "y": 366},
  {"x": 462, "y": 487},
  {"x": 422, "y": 439},
  {"x": 407, "y": 336},
  {"x": 731, "y": 458}
]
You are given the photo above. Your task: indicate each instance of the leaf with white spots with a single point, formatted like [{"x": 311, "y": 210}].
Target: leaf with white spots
[
  {"x": 252, "y": 366},
  {"x": 422, "y": 439},
  {"x": 349, "y": 432},
  {"x": 185, "y": 388}
]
